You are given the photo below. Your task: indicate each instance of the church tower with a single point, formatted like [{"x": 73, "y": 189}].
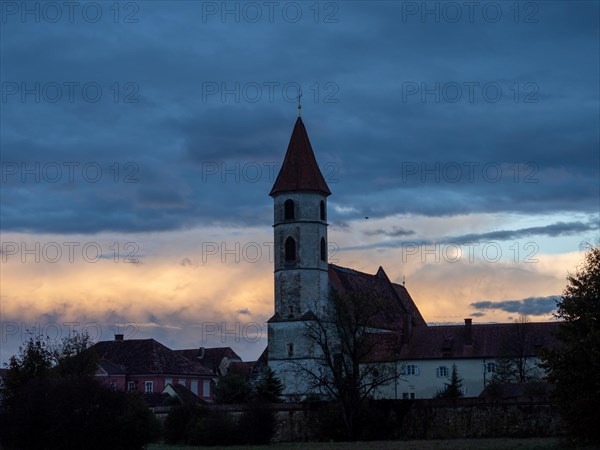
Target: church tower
[
  {"x": 300, "y": 249},
  {"x": 300, "y": 230}
]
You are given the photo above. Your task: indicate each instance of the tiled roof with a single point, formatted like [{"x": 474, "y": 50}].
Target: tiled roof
[
  {"x": 394, "y": 300},
  {"x": 488, "y": 340},
  {"x": 210, "y": 358},
  {"x": 409, "y": 304},
  {"x": 185, "y": 396},
  {"x": 147, "y": 356},
  {"x": 300, "y": 171},
  {"x": 110, "y": 368}
]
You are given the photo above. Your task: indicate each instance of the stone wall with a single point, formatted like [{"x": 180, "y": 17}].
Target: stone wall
[{"x": 427, "y": 419}]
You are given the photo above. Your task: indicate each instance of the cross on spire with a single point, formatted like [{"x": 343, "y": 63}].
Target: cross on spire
[{"x": 299, "y": 96}]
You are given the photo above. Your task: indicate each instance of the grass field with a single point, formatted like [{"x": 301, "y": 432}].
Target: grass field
[{"x": 455, "y": 444}]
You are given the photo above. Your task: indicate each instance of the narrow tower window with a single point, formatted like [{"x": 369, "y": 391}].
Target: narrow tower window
[
  {"x": 323, "y": 250},
  {"x": 323, "y": 210},
  {"x": 288, "y": 210},
  {"x": 290, "y": 249}
]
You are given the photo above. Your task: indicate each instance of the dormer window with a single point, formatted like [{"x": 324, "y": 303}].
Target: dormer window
[
  {"x": 288, "y": 210},
  {"x": 322, "y": 210},
  {"x": 290, "y": 249}
]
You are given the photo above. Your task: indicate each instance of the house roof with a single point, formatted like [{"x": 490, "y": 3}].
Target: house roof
[
  {"x": 109, "y": 368},
  {"x": 183, "y": 394},
  {"x": 211, "y": 358},
  {"x": 300, "y": 171},
  {"x": 488, "y": 340},
  {"x": 147, "y": 356}
]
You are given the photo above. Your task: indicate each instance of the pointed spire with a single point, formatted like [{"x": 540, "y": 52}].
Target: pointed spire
[{"x": 300, "y": 171}]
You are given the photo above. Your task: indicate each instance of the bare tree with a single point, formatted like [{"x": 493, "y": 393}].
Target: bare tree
[
  {"x": 515, "y": 364},
  {"x": 348, "y": 364}
]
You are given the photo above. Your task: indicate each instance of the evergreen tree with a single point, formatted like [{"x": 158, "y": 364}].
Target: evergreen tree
[
  {"x": 453, "y": 389},
  {"x": 268, "y": 388},
  {"x": 573, "y": 366},
  {"x": 232, "y": 388}
]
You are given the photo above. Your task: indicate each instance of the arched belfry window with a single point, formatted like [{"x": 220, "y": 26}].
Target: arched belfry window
[
  {"x": 290, "y": 249},
  {"x": 323, "y": 250},
  {"x": 288, "y": 209},
  {"x": 323, "y": 210}
]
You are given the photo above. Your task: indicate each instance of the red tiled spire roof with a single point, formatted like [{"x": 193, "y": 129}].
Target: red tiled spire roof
[{"x": 300, "y": 171}]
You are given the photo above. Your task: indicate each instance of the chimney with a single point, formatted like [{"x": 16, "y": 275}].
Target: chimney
[
  {"x": 468, "y": 332},
  {"x": 200, "y": 354},
  {"x": 118, "y": 337}
]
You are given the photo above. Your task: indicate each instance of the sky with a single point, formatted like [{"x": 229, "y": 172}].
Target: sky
[{"x": 139, "y": 141}]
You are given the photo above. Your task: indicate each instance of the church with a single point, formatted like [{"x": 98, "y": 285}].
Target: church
[{"x": 423, "y": 355}]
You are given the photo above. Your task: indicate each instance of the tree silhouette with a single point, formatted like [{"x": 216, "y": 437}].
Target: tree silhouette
[
  {"x": 574, "y": 365},
  {"x": 344, "y": 342},
  {"x": 453, "y": 389}
]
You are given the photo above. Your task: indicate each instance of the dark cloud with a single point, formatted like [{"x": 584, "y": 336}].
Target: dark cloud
[
  {"x": 555, "y": 229},
  {"x": 535, "y": 306},
  {"x": 394, "y": 232},
  {"x": 531, "y": 151}
]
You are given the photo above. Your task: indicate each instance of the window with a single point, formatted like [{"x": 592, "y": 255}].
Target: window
[
  {"x": 168, "y": 381},
  {"x": 442, "y": 372},
  {"x": 290, "y": 350},
  {"x": 290, "y": 249},
  {"x": 130, "y": 386},
  {"x": 206, "y": 388},
  {"x": 194, "y": 387},
  {"x": 323, "y": 250},
  {"x": 112, "y": 385},
  {"x": 288, "y": 210},
  {"x": 182, "y": 381},
  {"x": 410, "y": 369},
  {"x": 323, "y": 210},
  {"x": 148, "y": 387},
  {"x": 490, "y": 367}
]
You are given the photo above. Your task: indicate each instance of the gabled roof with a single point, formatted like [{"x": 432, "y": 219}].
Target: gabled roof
[
  {"x": 211, "y": 358},
  {"x": 409, "y": 304},
  {"x": 488, "y": 340},
  {"x": 182, "y": 393},
  {"x": 394, "y": 299},
  {"x": 300, "y": 171},
  {"x": 109, "y": 368},
  {"x": 147, "y": 356}
]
